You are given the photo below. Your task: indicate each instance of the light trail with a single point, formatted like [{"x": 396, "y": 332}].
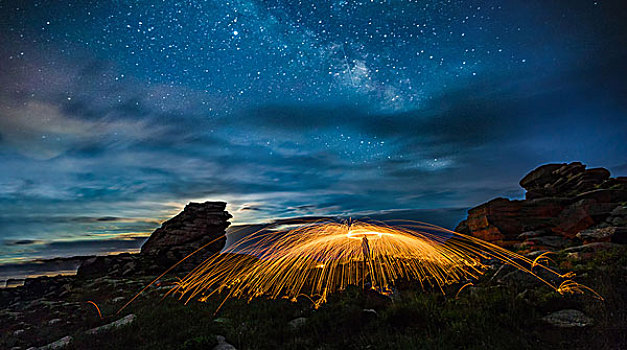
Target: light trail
[{"x": 324, "y": 256}]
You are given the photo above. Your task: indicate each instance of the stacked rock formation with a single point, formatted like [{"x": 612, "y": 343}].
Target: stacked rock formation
[
  {"x": 561, "y": 201},
  {"x": 197, "y": 225}
]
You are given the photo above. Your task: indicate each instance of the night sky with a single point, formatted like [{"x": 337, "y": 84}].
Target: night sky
[{"x": 114, "y": 114}]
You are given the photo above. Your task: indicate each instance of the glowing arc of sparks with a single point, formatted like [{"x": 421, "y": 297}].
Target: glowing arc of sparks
[{"x": 322, "y": 257}]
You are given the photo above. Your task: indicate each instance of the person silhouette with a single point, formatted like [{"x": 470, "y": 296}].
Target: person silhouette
[{"x": 365, "y": 248}]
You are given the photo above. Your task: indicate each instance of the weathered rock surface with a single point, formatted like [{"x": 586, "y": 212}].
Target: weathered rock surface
[
  {"x": 59, "y": 344},
  {"x": 561, "y": 200},
  {"x": 568, "y": 319},
  {"x": 604, "y": 234},
  {"x": 222, "y": 344},
  {"x": 562, "y": 180},
  {"x": 197, "y": 225},
  {"x": 128, "y": 319},
  {"x": 297, "y": 322}
]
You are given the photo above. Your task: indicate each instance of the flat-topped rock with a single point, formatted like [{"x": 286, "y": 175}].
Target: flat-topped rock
[
  {"x": 561, "y": 199},
  {"x": 197, "y": 225},
  {"x": 566, "y": 179}
]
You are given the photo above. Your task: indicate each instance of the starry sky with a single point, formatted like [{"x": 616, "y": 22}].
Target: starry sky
[{"x": 114, "y": 114}]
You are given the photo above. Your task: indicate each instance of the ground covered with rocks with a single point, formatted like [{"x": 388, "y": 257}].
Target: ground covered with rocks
[{"x": 502, "y": 309}]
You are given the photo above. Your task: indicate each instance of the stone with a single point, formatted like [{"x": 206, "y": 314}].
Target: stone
[
  {"x": 222, "y": 320},
  {"x": 593, "y": 247},
  {"x": 568, "y": 318},
  {"x": 222, "y": 344},
  {"x": 371, "y": 312},
  {"x": 462, "y": 227},
  {"x": 619, "y": 211},
  {"x": 550, "y": 241},
  {"x": 524, "y": 279},
  {"x": 561, "y": 200},
  {"x": 573, "y": 219},
  {"x": 535, "y": 254},
  {"x": 553, "y": 180},
  {"x": 597, "y": 234},
  {"x": 529, "y": 234},
  {"x": 129, "y": 268},
  {"x": 297, "y": 322},
  {"x": 126, "y": 320},
  {"x": 540, "y": 177},
  {"x": 106, "y": 265},
  {"x": 198, "y": 224},
  {"x": 59, "y": 344},
  {"x": 495, "y": 220}
]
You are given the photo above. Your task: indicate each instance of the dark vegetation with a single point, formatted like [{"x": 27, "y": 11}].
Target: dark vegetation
[{"x": 504, "y": 312}]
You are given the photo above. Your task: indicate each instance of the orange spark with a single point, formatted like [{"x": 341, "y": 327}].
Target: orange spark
[
  {"x": 97, "y": 308},
  {"x": 460, "y": 289}
]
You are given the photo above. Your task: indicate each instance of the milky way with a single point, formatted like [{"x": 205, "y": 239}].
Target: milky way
[{"x": 129, "y": 110}]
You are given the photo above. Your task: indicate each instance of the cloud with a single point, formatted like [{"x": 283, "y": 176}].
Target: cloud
[
  {"x": 42, "y": 131},
  {"x": 22, "y": 242},
  {"x": 137, "y": 157}
]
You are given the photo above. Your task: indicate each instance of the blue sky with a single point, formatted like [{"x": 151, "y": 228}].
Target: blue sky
[{"x": 114, "y": 115}]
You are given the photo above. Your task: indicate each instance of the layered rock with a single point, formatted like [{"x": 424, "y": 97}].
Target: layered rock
[
  {"x": 561, "y": 201},
  {"x": 198, "y": 225},
  {"x": 562, "y": 180}
]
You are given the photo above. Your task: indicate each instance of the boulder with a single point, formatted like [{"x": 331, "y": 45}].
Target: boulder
[
  {"x": 495, "y": 221},
  {"x": 605, "y": 234},
  {"x": 126, "y": 320},
  {"x": 222, "y": 344},
  {"x": 297, "y": 322},
  {"x": 568, "y": 319},
  {"x": 530, "y": 234},
  {"x": 59, "y": 344},
  {"x": 561, "y": 200},
  {"x": 198, "y": 224},
  {"x": 555, "y": 180},
  {"x": 574, "y": 218},
  {"x": 108, "y": 265}
]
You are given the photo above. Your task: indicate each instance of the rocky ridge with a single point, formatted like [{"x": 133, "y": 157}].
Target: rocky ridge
[
  {"x": 565, "y": 204},
  {"x": 197, "y": 225},
  {"x": 47, "y": 308}
]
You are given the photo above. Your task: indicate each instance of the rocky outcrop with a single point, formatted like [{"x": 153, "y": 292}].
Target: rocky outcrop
[
  {"x": 562, "y": 180},
  {"x": 561, "y": 201},
  {"x": 198, "y": 225}
]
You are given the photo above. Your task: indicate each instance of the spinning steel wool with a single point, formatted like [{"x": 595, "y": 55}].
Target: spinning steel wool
[{"x": 322, "y": 257}]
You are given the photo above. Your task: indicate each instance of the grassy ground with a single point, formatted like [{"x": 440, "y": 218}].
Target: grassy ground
[{"x": 489, "y": 315}]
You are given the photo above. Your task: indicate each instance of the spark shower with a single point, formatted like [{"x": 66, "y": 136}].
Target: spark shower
[{"x": 322, "y": 257}]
